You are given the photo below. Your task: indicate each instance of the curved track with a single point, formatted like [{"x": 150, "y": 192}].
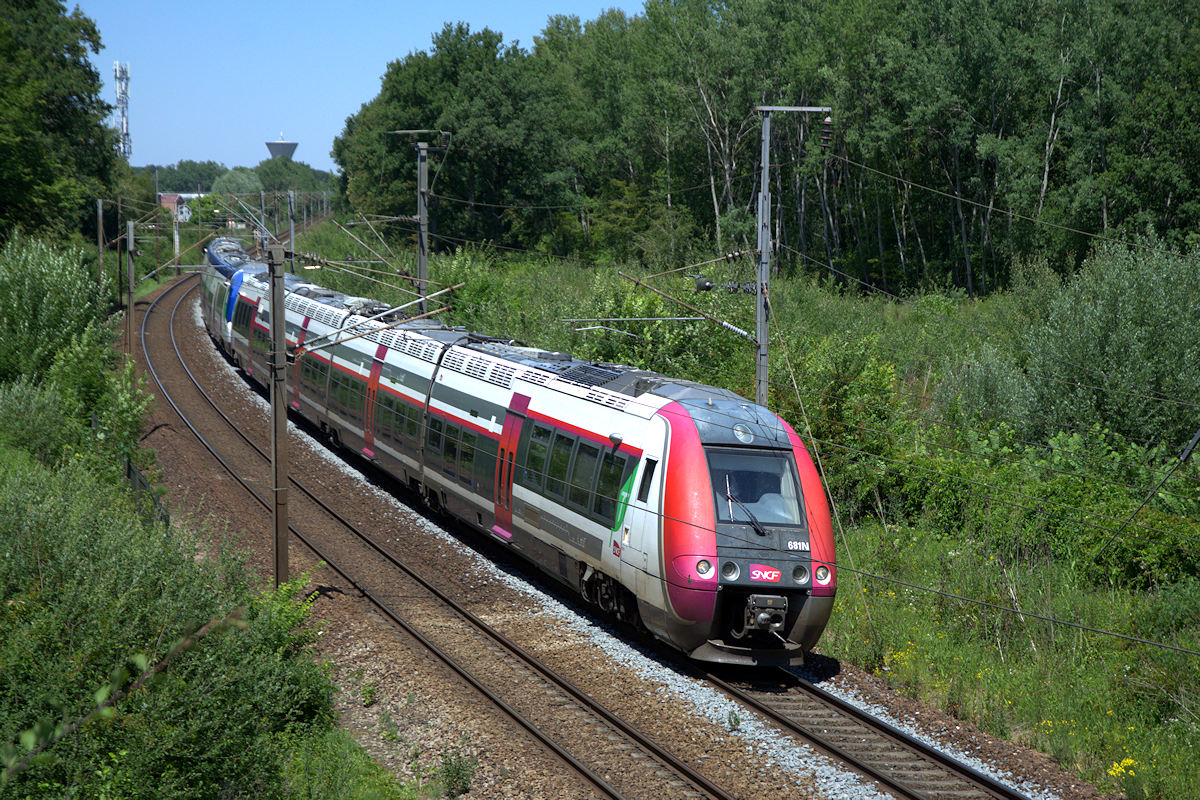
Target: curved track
[
  {"x": 612, "y": 756},
  {"x": 606, "y": 753}
]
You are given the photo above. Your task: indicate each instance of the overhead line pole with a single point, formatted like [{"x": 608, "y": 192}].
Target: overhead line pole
[
  {"x": 422, "y": 219},
  {"x": 279, "y": 469},
  {"x": 423, "y": 150},
  {"x": 762, "y": 304}
]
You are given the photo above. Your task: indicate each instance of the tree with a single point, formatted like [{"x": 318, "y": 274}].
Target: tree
[
  {"x": 186, "y": 176},
  {"x": 239, "y": 180},
  {"x": 55, "y": 150},
  {"x": 280, "y": 174}
]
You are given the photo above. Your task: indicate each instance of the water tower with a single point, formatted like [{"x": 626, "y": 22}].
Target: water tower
[{"x": 282, "y": 148}]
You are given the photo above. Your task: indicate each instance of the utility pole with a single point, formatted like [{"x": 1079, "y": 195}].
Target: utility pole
[
  {"x": 422, "y": 222},
  {"x": 129, "y": 248},
  {"x": 762, "y": 304},
  {"x": 175, "y": 236},
  {"x": 423, "y": 151},
  {"x": 121, "y": 76},
  {"x": 100, "y": 237},
  {"x": 291, "y": 230},
  {"x": 275, "y": 256}
]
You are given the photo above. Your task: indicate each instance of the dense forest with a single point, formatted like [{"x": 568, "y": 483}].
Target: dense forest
[{"x": 967, "y": 135}]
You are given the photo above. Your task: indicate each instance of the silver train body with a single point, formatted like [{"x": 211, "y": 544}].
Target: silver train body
[{"x": 677, "y": 506}]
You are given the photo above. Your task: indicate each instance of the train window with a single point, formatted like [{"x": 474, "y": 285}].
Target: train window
[
  {"x": 608, "y": 486},
  {"x": 583, "y": 474},
  {"x": 386, "y": 415},
  {"x": 260, "y": 340},
  {"x": 313, "y": 372},
  {"x": 450, "y": 449},
  {"x": 349, "y": 392},
  {"x": 241, "y": 317},
  {"x": 560, "y": 460},
  {"x": 434, "y": 440},
  {"x": 535, "y": 458},
  {"x": 753, "y": 485},
  {"x": 466, "y": 457},
  {"x": 412, "y": 421},
  {"x": 647, "y": 479}
]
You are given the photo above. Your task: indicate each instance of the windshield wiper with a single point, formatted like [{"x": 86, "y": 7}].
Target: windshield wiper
[{"x": 754, "y": 523}]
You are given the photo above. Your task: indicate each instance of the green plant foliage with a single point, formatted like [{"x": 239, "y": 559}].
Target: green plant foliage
[
  {"x": 329, "y": 765},
  {"x": 281, "y": 174},
  {"x": 56, "y": 148},
  {"x": 33, "y": 419},
  {"x": 48, "y": 298},
  {"x": 87, "y": 584},
  {"x": 959, "y": 131},
  {"x": 1116, "y": 347},
  {"x": 238, "y": 180},
  {"x": 456, "y": 772}
]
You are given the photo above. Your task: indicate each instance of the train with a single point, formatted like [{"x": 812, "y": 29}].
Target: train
[{"x": 679, "y": 508}]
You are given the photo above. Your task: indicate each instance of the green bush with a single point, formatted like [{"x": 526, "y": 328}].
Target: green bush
[
  {"x": 33, "y": 420},
  {"x": 1116, "y": 347},
  {"x": 48, "y": 298},
  {"x": 329, "y": 765},
  {"x": 88, "y": 586}
]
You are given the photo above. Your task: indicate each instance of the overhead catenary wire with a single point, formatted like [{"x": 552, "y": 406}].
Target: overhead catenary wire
[
  {"x": 1001, "y": 211},
  {"x": 1022, "y": 613},
  {"x": 1159, "y": 396},
  {"x": 1083, "y": 475}
]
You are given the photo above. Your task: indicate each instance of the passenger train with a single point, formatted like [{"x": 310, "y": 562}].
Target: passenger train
[{"x": 675, "y": 506}]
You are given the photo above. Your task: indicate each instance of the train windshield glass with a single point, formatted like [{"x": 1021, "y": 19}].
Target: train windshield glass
[{"x": 755, "y": 485}]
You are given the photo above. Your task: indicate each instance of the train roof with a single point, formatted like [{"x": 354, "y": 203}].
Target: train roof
[{"x": 710, "y": 406}]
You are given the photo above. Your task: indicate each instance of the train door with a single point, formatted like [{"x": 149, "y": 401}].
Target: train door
[
  {"x": 636, "y": 539},
  {"x": 369, "y": 411},
  {"x": 510, "y": 435}
]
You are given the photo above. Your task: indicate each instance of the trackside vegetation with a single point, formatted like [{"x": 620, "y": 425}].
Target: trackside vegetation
[
  {"x": 138, "y": 658},
  {"x": 992, "y": 462}
]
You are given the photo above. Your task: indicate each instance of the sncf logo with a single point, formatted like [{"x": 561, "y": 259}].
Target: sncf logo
[{"x": 758, "y": 572}]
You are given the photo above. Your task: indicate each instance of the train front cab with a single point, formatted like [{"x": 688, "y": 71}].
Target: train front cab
[{"x": 747, "y": 544}]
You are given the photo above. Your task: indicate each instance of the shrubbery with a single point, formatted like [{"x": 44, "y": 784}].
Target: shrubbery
[
  {"x": 83, "y": 579},
  {"x": 1116, "y": 347},
  {"x": 92, "y": 594},
  {"x": 48, "y": 299}
]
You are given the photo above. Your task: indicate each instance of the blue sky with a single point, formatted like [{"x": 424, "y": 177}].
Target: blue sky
[{"x": 200, "y": 87}]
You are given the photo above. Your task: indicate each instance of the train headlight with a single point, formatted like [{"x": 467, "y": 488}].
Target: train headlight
[
  {"x": 800, "y": 574},
  {"x": 730, "y": 571},
  {"x": 704, "y": 567},
  {"x": 822, "y": 574}
]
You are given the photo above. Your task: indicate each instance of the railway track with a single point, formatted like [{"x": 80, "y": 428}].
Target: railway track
[
  {"x": 610, "y": 755},
  {"x": 901, "y": 764},
  {"x": 613, "y": 758}
]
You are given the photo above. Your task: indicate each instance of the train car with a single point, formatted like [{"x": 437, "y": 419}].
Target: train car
[{"x": 676, "y": 506}]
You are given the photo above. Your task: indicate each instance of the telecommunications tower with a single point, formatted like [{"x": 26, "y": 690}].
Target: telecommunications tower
[{"x": 121, "y": 75}]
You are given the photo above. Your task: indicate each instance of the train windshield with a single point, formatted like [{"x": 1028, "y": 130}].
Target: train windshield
[{"x": 755, "y": 486}]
